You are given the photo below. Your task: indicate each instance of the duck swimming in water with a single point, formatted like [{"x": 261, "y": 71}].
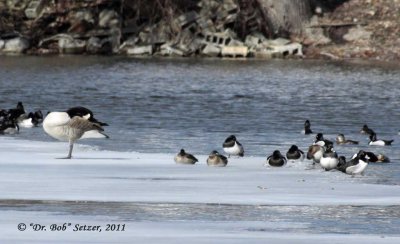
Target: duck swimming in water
[
  {"x": 307, "y": 128},
  {"x": 319, "y": 140},
  {"x": 366, "y": 130},
  {"x": 375, "y": 142},
  {"x": 340, "y": 140}
]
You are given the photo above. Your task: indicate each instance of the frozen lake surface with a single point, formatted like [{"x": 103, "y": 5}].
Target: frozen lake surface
[
  {"x": 159, "y": 201},
  {"x": 155, "y": 107}
]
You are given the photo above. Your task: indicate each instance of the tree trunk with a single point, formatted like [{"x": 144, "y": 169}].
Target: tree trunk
[{"x": 285, "y": 17}]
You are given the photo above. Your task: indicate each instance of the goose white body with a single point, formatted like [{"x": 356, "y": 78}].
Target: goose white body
[
  {"x": 61, "y": 126},
  {"x": 56, "y": 125}
]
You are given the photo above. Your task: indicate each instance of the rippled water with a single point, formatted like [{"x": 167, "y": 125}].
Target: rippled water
[{"x": 163, "y": 105}]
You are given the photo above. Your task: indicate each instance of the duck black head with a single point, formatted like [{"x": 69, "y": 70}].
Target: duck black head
[
  {"x": 293, "y": 148},
  {"x": 342, "y": 160},
  {"x": 276, "y": 154},
  {"x": 319, "y": 137},
  {"x": 231, "y": 138}
]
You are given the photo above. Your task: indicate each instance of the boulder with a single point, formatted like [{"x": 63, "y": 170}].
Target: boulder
[
  {"x": 140, "y": 50},
  {"x": 108, "y": 19},
  {"x": 16, "y": 45},
  {"x": 68, "y": 45},
  {"x": 93, "y": 45},
  {"x": 356, "y": 34},
  {"x": 211, "y": 50},
  {"x": 35, "y": 8}
]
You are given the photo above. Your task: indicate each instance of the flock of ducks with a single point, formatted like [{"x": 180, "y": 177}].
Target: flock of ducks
[
  {"x": 320, "y": 152},
  {"x": 71, "y": 125},
  {"x": 79, "y": 123},
  {"x": 14, "y": 118}
]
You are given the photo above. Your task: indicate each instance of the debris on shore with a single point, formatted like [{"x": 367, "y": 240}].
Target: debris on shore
[{"x": 211, "y": 28}]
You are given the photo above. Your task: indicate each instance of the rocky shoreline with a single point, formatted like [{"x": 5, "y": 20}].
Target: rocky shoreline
[{"x": 364, "y": 29}]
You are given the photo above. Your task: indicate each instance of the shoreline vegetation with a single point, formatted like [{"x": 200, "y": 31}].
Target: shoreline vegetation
[{"x": 311, "y": 29}]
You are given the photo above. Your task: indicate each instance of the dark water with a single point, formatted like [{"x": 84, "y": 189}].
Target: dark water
[{"x": 163, "y": 105}]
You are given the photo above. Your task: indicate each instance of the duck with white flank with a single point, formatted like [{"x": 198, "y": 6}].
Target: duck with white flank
[
  {"x": 233, "y": 147},
  {"x": 375, "y": 142},
  {"x": 15, "y": 113},
  {"x": 74, "y": 124},
  {"x": 356, "y": 165},
  {"x": 340, "y": 140},
  {"x": 307, "y": 128},
  {"x": 329, "y": 159},
  {"x": 319, "y": 140},
  {"x": 315, "y": 153},
  {"x": 8, "y": 127},
  {"x": 295, "y": 154},
  {"x": 185, "y": 158},
  {"x": 30, "y": 120},
  {"x": 217, "y": 160},
  {"x": 366, "y": 130},
  {"x": 276, "y": 159}
]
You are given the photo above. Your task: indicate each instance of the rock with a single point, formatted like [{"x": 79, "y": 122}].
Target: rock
[
  {"x": 93, "y": 45},
  {"x": 17, "y": 4},
  {"x": 35, "y": 8},
  {"x": 16, "y": 45},
  {"x": 129, "y": 43},
  {"x": 168, "y": 50},
  {"x": 356, "y": 34},
  {"x": 108, "y": 19},
  {"x": 187, "y": 18},
  {"x": 83, "y": 15},
  {"x": 211, "y": 50},
  {"x": 252, "y": 41},
  {"x": 140, "y": 50},
  {"x": 68, "y": 45}
]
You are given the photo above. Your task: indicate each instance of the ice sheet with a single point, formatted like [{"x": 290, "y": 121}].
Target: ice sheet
[{"x": 29, "y": 171}]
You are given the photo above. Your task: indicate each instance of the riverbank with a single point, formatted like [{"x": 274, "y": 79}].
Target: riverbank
[{"x": 207, "y": 28}]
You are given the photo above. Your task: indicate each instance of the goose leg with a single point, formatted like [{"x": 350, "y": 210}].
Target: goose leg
[{"x": 71, "y": 146}]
